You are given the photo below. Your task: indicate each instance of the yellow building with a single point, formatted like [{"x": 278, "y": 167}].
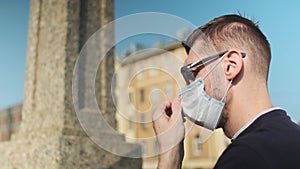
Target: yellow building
[{"x": 144, "y": 80}]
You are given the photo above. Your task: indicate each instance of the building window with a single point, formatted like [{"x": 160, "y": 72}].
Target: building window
[
  {"x": 197, "y": 145},
  {"x": 167, "y": 63},
  {"x": 143, "y": 121},
  {"x": 155, "y": 147},
  {"x": 153, "y": 69},
  {"x": 130, "y": 123},
  {"x": 140, "y": 73},
  {"x": 144, "y": 148},
  {"x": 142, "y": 95},
  {"x": 169, "y": 89},
  {"x": 154, "y": 94},
  {"x": 130, "y": 98},
  {"x": 129, "y": 72}
]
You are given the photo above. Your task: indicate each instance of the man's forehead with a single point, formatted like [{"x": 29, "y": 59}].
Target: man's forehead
[{"x": 199, "y": 50}]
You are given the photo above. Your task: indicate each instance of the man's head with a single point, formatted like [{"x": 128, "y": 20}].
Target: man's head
[{"x": 234, "y": 34}]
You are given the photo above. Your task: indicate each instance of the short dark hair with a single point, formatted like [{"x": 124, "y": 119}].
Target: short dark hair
[{"x": 234, "y": 31}]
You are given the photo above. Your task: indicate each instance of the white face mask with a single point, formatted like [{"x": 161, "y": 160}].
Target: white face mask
[{"x": 199, "y": 107}]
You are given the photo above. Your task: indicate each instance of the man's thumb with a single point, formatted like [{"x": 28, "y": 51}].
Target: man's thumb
[{"x": 176, "y": 107}]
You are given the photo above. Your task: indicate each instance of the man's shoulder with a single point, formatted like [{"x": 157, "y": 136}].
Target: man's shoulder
[
  {"x": 273, "y": 136},
  {"x": 272, "y": 141},
  {"x": 241, "y": 155},
  {"x": 271, "y": 129}
]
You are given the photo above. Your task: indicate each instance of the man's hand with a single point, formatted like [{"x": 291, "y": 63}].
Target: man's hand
[{"x": 169, "y": 129}]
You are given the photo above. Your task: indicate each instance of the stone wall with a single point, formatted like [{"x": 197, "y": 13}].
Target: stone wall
[{"x": 50, "y": 136}]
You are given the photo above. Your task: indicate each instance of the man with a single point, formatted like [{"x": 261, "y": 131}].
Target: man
[{"x": 263, "y": 136}]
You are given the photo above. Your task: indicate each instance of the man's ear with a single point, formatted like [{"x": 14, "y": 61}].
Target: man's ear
[{"x": 233, "y": 63}]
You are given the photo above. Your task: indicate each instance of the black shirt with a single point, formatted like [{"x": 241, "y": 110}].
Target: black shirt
[{"x": 272, "y": 141}]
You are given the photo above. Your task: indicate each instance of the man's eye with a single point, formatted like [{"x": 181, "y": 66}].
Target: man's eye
[{"x": 195, "y": 72}]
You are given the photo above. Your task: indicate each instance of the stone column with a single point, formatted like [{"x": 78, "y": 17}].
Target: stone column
[{"x": 50, "y": 135}]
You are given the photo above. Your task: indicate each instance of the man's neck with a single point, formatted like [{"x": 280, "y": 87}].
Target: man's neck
[{"x": 245, "y": 109}]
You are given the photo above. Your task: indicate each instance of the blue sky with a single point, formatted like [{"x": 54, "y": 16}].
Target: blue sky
[
  {"x": 279, "y": 20},
  {"x": 13, "y": 46}
]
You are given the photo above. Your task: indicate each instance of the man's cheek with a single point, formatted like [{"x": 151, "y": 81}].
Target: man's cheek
[{"x": 208, "y": 88}]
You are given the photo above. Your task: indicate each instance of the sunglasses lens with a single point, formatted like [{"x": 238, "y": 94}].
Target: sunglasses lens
[{"x": 188, "y": 76}]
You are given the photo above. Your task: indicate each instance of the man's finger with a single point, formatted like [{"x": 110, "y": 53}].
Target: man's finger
[
  {"x": 176, "y": 108},
  {"x": 160, "y": 110}
]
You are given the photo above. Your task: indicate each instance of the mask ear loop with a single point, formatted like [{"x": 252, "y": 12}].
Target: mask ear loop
[
  {"x": 214, "y": 66},
  {"x": 225, "y": 94},
  {"x": 230, "y": 83}
]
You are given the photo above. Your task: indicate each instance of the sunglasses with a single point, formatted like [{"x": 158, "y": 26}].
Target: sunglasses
[{"x": 190, "y": 75}]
